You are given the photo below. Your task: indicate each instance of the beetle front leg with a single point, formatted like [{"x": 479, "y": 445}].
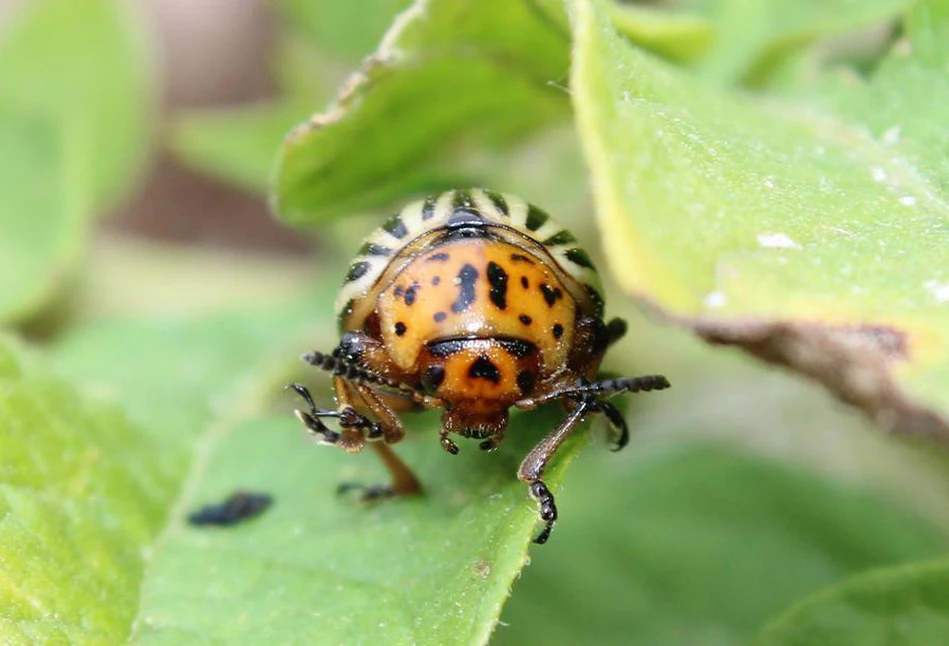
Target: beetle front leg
[
  {"x": 532, "y": 469},
  {"x": 311, "y": 418},
  {"x": 388, "y": 430}
]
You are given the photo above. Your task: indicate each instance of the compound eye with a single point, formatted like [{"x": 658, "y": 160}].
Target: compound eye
[{"x": 432, "y": 378}]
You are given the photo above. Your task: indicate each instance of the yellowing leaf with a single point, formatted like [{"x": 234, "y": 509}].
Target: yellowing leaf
[{"x": 811, "y": 232}]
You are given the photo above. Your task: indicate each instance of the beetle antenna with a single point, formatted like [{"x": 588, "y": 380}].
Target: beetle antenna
[
  {"x": 351, "y": 371},
  {"x": 586, "y": 391}
]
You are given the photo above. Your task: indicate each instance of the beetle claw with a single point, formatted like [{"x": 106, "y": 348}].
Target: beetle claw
[{"x": 548, "y": 509}]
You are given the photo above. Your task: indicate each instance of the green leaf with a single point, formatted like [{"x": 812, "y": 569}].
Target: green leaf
[
  {"x": 901, "y": 606},
  {"x": 43, "y": 209},
  {"x": 74, "y": 102},
  {"x": 430, "y": 569},
  {"x": 809, "y": 232},
  {"x": 753, "y": 38},
  {"x": 679, "y": 36},
  {"x": 703, "y": 545},
  {"x": 84, "y": 491},
  {"x": 320, "y": 43},
  {"x": 238, "y": 145},
  {"x": 203, "y": 390},
  {"x": 85, "y": 62},
  {"x": 448, "y": 73}
]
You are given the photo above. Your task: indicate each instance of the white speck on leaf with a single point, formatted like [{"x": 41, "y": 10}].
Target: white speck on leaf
[
  {"x": 939, "y": 291},
  {"x": 768, "y": 182},
  {"x": 715, "y": 299},
  {"x": 878, "y": 174},
  {"x": 776, "y": 241},
  {"x": 891, "y": 136},
  {"x": 908, "y": 200}
]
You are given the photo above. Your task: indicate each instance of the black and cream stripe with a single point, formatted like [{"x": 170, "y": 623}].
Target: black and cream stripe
[{"x": 454, "y": 207}]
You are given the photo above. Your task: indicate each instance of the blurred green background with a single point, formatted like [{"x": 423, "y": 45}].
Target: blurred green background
[{"x": 154, "y": 307}]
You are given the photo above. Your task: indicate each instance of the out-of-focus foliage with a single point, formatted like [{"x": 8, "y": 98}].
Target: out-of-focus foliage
[
  {"x": 900, "y": 606},
  {"x": 447, "y": 74},
  {"x": 821, "y": 203},
  {"x": 75, "y": 104},
  {"x": 699, "y": 545},
  {"x": 321, "y": 43}
]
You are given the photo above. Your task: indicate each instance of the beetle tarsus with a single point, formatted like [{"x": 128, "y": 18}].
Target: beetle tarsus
[{"x": 548, "y": 509}]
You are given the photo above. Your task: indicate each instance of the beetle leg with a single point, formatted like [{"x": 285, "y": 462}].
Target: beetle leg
[
  {"x": 619, "y": 437},
  {"x": 532, "y": 468},
  {"x": 389, "y": 428},
  {"x": 311, "y": 418}
]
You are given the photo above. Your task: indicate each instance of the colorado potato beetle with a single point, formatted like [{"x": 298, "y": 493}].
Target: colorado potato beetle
[{"x": 472, "y": 302}]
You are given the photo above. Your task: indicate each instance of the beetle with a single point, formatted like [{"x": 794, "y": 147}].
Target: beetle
[{"x": 472, "y": 302}]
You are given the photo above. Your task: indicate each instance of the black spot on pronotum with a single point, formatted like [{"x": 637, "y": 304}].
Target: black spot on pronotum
[
  {"x": 396, "y": 227},
  {"x": 497, "y": 278},
  {"x": 400, "y": 328},
  {"x": 564, "y": 237},
  {"x": 237, "y": 508},
  {"x": 525, "y": 381},
  {"x": 372, "y": 249},
  {"x": 579, "y": 257},
  {"x": 557, "y": 330},
  {"x": 499, "y": 202},
  {"x": 467, "y": 276},
  {"x": 524, "y": 282},
  {"x": 410, "y": 295},
  {"x": 525, "y": 319},
  {"x": 535, "y": 218},
  {"x": 357, "y": 270},
  {"x": 446, "y": 348},
  {"x": 433, "y": 377},
  {"x": 519, "y": 257},
  {"x": 428, "y": 208},
  {"x": 482, "y": 368},
  {"x": 436, "y": 280},
  {"x": 441, "y": 256},
  {"x": 517, "y": 347},
  {"x": 551, "y": 294},
  {"x": 399, "y": 291},
  {"x": 439, "y": 316}
]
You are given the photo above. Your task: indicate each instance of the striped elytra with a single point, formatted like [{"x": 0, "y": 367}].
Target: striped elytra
[{"x": 469, "y": 211}]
